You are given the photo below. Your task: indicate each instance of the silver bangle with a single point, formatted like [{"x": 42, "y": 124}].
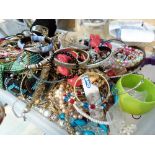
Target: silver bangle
[
  {"x": 40, "y": 29},
  {"x": 70, "y": 65}
]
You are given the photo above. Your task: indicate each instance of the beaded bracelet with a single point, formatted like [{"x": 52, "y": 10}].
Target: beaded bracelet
[
  {"x": 129, "y": 56},
  {"x": 120, "y": 65},
  {"x": 83, "y": 113},
  {"x": 37, "y": 49},
  {"x": 88, "y": 117}
]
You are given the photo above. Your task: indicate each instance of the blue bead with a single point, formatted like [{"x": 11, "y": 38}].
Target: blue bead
[
  {"x": 85, "y": 105},
  {"x": 69, "y": 95},
  {"x": 88, "y": 132},
  {"x": 72, "y": 122},
  {"x": 62, "y": 116},
  {"x": 80, "y": 122},
  {"x": 103, "y": 106},
  {"x": 104, "y": 127},
  {"x": 66, "y": 99}
]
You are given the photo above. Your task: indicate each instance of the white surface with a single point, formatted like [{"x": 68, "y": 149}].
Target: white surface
[
  {"x": 134, "y": 35},
  {"x": 34, "y": 117},
  {"x": 14, "y": 126}
]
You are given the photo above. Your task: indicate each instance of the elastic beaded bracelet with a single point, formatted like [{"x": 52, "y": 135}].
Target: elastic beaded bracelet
[
  {"x": 129, "y": 56},
  {"x": 39, "y": 49},
  {"x": 88, "y": 117},
  {"x": 78, "y": 102}
]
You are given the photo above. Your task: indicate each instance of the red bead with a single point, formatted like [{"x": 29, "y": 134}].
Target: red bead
[
  {"x": 92, "y": 106},
  {"x": 64, "y": 94},
  {"x": 72, "y": 101},
  {"x": 79, "y": 93},
  {"x": 111, "y": 73}
]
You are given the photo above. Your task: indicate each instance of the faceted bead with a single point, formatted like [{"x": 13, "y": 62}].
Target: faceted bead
[
  {"x": 80, "y": 122},
  {"x": 104, "y": 127},
  {"x": 85, "y": 105},
  {"x": 88, "y": 132},
  {"x": 72, "y": 101},
  {"x": 111, "y": 73},
  {"x": 62, "y": 116},
  {"x": 92, "y": 106}
]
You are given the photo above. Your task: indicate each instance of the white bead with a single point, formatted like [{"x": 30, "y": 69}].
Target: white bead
[
  {"x": 61, "y": 123},
  {"x": 77, "y": 133},
  {"x": 61, "y": 101},
  {"x": 60, "y": 94},
  {"x": 79, "y": 116},
  {"x": 56, "y": 95},
  {"x": 47, "y": 113},
  {"x": 57, "y": 91},
  {"x": 61, "y": 89},
  {"x": 41, "y": 110}
]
